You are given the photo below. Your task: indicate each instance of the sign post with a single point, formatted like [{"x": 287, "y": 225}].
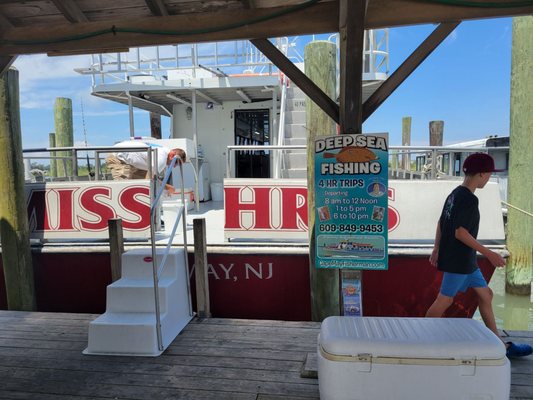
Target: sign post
[{"x": 351, "y": 179}]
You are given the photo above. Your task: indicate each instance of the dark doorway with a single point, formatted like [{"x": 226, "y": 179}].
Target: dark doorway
[{"x": 252, "y": 127}]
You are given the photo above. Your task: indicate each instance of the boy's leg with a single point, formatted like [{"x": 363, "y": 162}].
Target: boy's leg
[
  {"x": 450, "y": 284},
  {"x": 485, "y": 308},
  {"x": 440, "y": 305}
]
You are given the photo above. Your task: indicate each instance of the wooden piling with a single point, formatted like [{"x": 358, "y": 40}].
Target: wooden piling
[
  {"x": 14, "y": 230},
  {"x": 320, "y": 66},
  {"x": 406, "y": 141},
  {"x": 53, "y": 162},
  {"x": 203, "y": 307},
  {"x": 436, "y": 133},
  {"x": 116, "y": 247},
  {"x": 520, "y": 226},
  {"x": 64, "y": 134}
]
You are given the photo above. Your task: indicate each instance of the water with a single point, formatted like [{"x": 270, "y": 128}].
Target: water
[{"x": 511, "y": 312}]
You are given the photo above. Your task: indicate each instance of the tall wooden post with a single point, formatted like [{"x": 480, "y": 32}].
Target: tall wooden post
[
  {"x": 351, "y": 46},
  {"x": 64, "y": 134},
  {"x": 53, "y": 162},
  {"x": 116, "y": 247},
  {"x": 203, "y": 306},
  {"x": 406, "y": 141},
  {"x": 14, "y": 230},
  {"x": 436, "y": 133},
  {"x": 320, "y": 66},
  {"x": 520, "y": 226}
]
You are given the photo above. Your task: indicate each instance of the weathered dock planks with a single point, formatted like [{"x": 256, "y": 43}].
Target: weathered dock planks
[{"x": 40, "y": 358}]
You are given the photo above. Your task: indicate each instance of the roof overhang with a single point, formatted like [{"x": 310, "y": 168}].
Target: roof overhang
[{"x": 105, "y": 27}]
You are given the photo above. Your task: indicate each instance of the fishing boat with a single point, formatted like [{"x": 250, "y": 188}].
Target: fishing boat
[
  {"x": 242, "y": 123},
  {"x": 352, "y": 249}
]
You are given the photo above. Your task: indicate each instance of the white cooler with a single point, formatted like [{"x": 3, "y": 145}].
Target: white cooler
[{"x": 375, "y": 358}]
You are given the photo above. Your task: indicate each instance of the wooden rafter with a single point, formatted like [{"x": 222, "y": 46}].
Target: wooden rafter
[
  {"x": 5, "y": 63},
  {"x": 407, "y": 67},
  {"x": 70, "y": 10},
  {"x": 157, "y": 7},
  {"x": 298, "y": 77}
]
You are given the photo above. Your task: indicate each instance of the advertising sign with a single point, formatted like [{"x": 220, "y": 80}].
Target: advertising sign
[
  {"x": 351, "y": 179},
  {"x": 351, "y": 294}
]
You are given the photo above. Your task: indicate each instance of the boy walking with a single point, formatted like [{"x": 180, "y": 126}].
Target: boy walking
[{"x": 456, "y": 246}]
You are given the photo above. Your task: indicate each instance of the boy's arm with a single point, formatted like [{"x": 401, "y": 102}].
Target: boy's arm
[
  {"x": 435, "y": 253},
  {"x": 464, "y": 236}
]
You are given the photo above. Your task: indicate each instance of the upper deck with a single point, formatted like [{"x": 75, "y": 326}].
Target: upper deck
[{"x": 155, "y": 79}]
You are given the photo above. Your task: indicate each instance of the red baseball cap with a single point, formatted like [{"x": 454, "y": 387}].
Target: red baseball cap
[{"x": 479, "y": 162}]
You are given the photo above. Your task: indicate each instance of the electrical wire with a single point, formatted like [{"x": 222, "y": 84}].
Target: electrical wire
[{"x": 114, "y": 29}]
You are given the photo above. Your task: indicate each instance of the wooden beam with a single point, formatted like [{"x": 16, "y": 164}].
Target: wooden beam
[
  {"x": 157, "y": 7},
  {"x": 298, "y": 77},
  {"x": 351, "y": 36},
  {"x": 5, "y": 63},
  {"x": 191, "y": 28},
  {"x": 407, "y": 67},
  {"x": 322, "y": 17},
  {"x": 389, "y": 13},
  {"x": 70, "y": 10},
  {"x": 248, "y": 3},
  {"x": 5, "y": 23}
]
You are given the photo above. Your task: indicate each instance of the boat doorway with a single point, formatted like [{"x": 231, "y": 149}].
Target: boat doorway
[{"x": 252, "y": 127}]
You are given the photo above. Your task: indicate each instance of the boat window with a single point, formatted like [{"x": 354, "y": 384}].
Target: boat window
[{"x": 252, "y": 127}]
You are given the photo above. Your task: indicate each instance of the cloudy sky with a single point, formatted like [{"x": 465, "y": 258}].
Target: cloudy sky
[{"x": 465, "y": 82}]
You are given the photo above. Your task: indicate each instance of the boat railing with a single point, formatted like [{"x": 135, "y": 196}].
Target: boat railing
[
  {"x": 405, "y": 162},
  {"x": 222, "y": 59},
  {"x": 159, "y": 63},
  {"x": 70, "y": 158},
  {"x": 280, "y": 141},
  {"x": 430, "y": 162}
]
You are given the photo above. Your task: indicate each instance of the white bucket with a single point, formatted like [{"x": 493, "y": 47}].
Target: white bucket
[
  {"x": 171, "y": 212},
  {"x": 176, "y": 197},
  {"x": 217, "y": 191}
]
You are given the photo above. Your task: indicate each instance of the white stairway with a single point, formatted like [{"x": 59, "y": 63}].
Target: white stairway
[
  {"x": 128, "y": 327},
  {"x": 295, "y": 161}
]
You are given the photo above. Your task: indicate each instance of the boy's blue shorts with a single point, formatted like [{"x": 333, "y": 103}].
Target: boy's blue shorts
[{"x": 453, "y": 283}]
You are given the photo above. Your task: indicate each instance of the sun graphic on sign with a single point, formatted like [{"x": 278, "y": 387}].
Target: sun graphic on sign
[{"x": 352, "y": 154}]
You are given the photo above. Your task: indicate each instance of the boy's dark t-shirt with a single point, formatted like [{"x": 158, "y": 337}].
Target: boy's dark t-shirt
[{"x": 460, "y": 210}]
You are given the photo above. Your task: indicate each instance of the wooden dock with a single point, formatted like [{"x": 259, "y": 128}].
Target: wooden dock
[{"x": 41, "y": 359}]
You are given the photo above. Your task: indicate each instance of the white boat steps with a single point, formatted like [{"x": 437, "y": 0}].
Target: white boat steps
[{"x": 128, "y": 327}]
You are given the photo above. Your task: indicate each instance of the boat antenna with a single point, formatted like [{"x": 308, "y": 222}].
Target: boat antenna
[{"x": 85, "y": 137}]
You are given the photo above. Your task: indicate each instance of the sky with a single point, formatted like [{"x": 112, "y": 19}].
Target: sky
[{"x": 465, "y": 82}]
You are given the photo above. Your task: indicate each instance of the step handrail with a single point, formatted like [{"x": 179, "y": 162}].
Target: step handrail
[
  {"x": 281, "y": 129},
  {"x": 182, "y": 215}
]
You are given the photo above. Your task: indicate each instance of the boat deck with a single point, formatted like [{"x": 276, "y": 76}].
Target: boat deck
[{"x": 40, "y": 358}]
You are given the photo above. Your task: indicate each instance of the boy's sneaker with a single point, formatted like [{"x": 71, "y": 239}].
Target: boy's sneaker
[{"x": 518, "y": 350}]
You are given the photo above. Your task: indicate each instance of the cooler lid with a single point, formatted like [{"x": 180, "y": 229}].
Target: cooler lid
[{"x": 431, "y": 338}]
